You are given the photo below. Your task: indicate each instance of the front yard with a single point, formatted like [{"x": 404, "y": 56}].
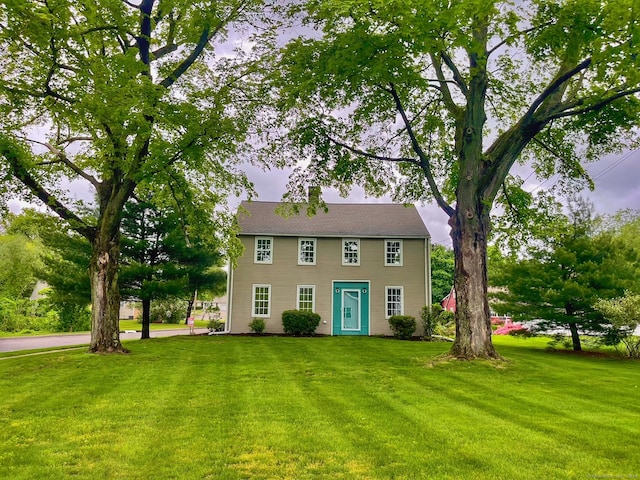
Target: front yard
[{"x": 332, "y": 407}]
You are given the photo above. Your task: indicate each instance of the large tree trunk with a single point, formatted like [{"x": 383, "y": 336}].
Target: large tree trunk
[
  {"x": 105, "y": 296},
  {"x": 469, "y": 230},
  {"x": 146, "y": 318}
]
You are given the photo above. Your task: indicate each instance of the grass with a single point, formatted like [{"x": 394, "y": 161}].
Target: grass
[
  {"x": 331, "y": 407},
  {"x": 124, "y": 325}
]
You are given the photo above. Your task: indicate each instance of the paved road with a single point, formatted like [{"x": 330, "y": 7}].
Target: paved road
[{"x": 13, "y": 344}]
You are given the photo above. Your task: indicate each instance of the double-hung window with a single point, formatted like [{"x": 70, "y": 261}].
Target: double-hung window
[
  {"x": 350, "y": 251},
  {"x": 393, "y": 253},
  {"x": 261, "y": 301},
  {"x": 306, "y": 298},
  {"x": 394, "y": 303},
  {"x": 264, "y": 250},
  {"x": 306, "y": 251}
]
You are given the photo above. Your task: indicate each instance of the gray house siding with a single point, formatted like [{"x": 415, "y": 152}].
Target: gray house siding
[{"x": 284, "y": 275}]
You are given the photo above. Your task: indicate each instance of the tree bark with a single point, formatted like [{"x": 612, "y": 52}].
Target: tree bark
[
  {"x": 575, "y": 337},
  {"x": 469, "y": 231},
  {"x": 105, "y": 297},
  {"x": 192, "y": 299},
  {"x": 146, "y": 318}
]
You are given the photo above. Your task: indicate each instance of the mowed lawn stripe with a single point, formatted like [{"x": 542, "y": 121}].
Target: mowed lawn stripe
[{"x": 280, "y": 407}]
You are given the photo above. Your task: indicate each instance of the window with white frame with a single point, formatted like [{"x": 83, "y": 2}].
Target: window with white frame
[
  {"x": 306, "y": 251},
  {"x": 264, "y": 250},
  {"x": 306, "y": 298},
  {"x": 394, "y": 301},
  {"x": 261, "y": 301},
  {"x": 351, "y": 251},
  {"x": 393, "y": 253}
]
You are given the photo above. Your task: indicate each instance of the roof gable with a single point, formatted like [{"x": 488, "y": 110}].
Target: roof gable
[{"x": 342, "y": 219}]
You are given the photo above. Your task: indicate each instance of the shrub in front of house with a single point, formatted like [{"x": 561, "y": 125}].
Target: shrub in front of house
[
  {"x": 299, "y": 322},
  {"x": 258, "y": 325},
  {"x": 402, "y": 326}
]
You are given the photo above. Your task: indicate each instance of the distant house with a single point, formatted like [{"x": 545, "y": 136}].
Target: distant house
[
  {"x": 356, "y": 265},
  {"x": 449, "y": 303}
]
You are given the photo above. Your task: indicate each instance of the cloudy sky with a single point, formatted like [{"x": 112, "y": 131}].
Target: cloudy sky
[{"x": 617, "y": 180}]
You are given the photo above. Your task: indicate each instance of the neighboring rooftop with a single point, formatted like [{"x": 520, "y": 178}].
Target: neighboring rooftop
[{"x": 342, "y": 219}]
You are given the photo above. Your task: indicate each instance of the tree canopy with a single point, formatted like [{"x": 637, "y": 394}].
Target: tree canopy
[
  {"x": 122, "y": 96},
  {"x": 562, "y": 278},
  {"x": 437, "y": 101}
]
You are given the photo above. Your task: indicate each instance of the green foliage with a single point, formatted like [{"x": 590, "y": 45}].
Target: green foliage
[
  {"x": 437, "y": 101},
  {"x": 257, "y": 325},
  {"x": 127, "y": 98},
  {"x": 170, "y": 310},
  {"x": 300, "y": 322},
  {"x": 560, "y": 281},
  {"x": 20, "y": 261},
  {"x": 442, "y": 265},
  {"x": 215, "y": 325},
  {"x": 402, "y": 326},
  {"x": 624, "y": 315},
  {"x": 437, "y": 321}
]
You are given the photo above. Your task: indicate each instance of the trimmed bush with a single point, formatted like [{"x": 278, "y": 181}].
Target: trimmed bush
[
  {"x": 402, "y": 326},
  {"x": 257, "y": 325},
  {"x": 298, "y": 322}
]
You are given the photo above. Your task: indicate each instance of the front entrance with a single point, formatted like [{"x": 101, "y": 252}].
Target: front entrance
[{"x": 350, "y": 308}]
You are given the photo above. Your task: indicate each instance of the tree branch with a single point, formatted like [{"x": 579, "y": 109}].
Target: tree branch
[
  {"x": 596, "y": 106},
  {"x": 453, "y": 108},
  {"x": 424, "y": 161},
  {"x": 517, "y": 34},
  {"x": 557, "y": 83},
  {"x": 456, "y": 73},
  {"x": 77, "y": 170},
  {"x": 14, "y": 156},
  {"x": 372, "y": 156},
  {"x": 205, "y": 36}
]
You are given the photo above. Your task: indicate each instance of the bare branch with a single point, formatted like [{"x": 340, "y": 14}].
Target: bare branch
[
  {"x": 166, "y": 50},
  {"x": 205, "y": 36},
  {"x": 372, "y": 156},
  {"x": 14, "y": 158},
  {"x": 453, "y": 108},
  {"x": 518, "y": 34},
  {"x": 555, "y": 85},
  {"x": 77, "y": 170},
  {"x": 424, "y": 161},
  {"x": 565, "y": 112},
  {"x": 456, "y": 73}
]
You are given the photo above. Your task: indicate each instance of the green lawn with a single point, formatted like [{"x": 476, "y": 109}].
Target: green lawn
[
  {"x": 124, "y": 325},
  {"x": 278, "y": 407}
]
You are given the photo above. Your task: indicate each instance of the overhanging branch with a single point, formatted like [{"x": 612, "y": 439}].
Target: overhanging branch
[{"x": 424, "y": 161}]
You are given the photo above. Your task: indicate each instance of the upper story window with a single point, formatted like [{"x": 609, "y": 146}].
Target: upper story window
[
  {"x": 393, "y": 253},
  {"x": 351, "y": 251},
  {"x": 264, "y": 250},
  {"x": 306, "y": 251}
]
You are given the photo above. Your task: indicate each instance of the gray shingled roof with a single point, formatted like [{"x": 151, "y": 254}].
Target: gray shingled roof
[{"x": 342, "y": 219}]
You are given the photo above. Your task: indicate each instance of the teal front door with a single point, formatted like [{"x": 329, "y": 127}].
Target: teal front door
[{"x": 350, "y": 308}]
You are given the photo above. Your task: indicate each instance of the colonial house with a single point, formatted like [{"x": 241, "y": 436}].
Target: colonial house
[{"x": 355, "y": 265}]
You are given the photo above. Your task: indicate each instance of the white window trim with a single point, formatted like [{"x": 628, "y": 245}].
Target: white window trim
[
  {"x": 255, "y": 251},
  {"x": 253, "y": 301},
  {"x": 386, "y": 242},
  {"x": 386, "y": 300},
  {"x": 315, "y": 250},
  {"x": 344, "y": 264},
  {"x": 313, "y": 296}
]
